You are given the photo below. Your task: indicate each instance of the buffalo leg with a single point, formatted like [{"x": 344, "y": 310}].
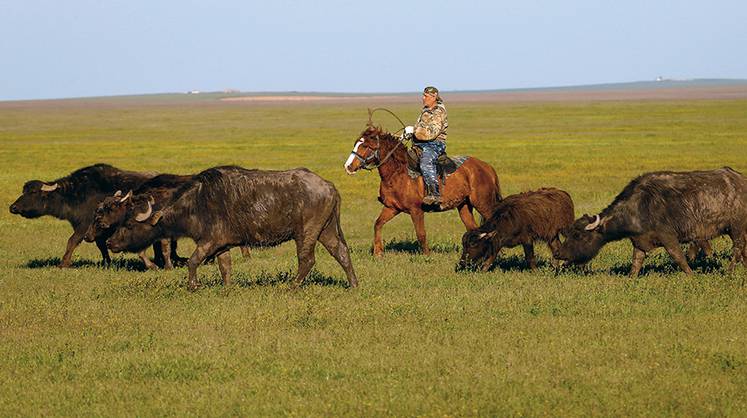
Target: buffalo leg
[
  {"x": 529, "y": 255},
  {"x": 737, "y": 250},
  {"x": 166, "y": 254},
  {"x": 705, "y": 245},
  {"x": 246, "y": 252},
  {"x": 175, "y": 259},
  {"x": 202, "y": 251},
  {"x": 692, "y": 252},
  {"x": 158, "y": 256},
  {"x": 333, "y": 240},
  {"x": 554, "y": 245},
  {"x": 490, "y": 260},
  {"x": 306, "y": 259},
  {"x": 638, "y": 256},
  {"x": 101, "y": 244},
  {"x": 468, "y": 219},
  {"x": 72, "y": 244},
  {"x": 674, "y": 250},
  {"x": 148, "y": 264},
  {"x": 385, "y": 216},
  {"x": 224, "y": 265},
  {"x": 418, "y": 219},
  {"x": 697, "y": 247}
]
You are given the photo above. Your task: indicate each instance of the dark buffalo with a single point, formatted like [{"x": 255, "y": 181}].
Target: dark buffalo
[
  {"x": 230, "y": 206},
  {"x": 664, "y": 209},
  {"x": 74, "y": 198},
  {"x": 113, "y": 210},
  {"x": 519, "y": 219}
]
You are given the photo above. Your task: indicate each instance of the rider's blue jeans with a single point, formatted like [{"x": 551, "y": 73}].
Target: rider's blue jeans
[{"x": 431, "y": 151}]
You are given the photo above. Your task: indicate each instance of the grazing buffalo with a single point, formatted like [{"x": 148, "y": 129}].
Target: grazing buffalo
[
  {"x": 113, "y": 210},
  {"x": 230, "y": 206},
  {"x": 74, "y": 198},
  {"x": 664, "y": 209},
  {"x": 519, "y": 219}
]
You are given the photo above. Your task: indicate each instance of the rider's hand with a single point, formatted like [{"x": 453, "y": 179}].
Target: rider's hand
[{"x": 409, "y": 130}]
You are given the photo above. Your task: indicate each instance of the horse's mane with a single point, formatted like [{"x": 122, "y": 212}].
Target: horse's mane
[{"x": 388, "y": 141}]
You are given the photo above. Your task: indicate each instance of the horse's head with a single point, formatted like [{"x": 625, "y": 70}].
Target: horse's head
[{"x": 366, "y": 150}]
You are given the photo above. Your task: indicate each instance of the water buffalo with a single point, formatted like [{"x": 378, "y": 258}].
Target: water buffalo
[
  {"x": 74, "y": 198},
  {"x": 664, "y": 209},
  {"x": 519, "y": 219},
  {"x": 112, "y": 211},
  {"x": 230, "y": 206}
]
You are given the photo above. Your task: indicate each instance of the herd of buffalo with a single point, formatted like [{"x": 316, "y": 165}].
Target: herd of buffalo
[{"x": 229, "y": 206}]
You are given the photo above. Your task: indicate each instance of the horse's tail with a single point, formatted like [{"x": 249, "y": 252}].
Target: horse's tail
[{"x": 498, "y": 198}]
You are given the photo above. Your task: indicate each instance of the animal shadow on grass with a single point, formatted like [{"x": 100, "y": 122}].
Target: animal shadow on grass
[
  {"x": 662, "y": 263},
  {"x": 129, "y": 264},
  {"x": 516, "y": 263},
  {"x": 413, "y": 247},
  {"x": 264, "y": 279}
]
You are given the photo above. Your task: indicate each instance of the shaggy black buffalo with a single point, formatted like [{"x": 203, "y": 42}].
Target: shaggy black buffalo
[
  {"x": 230, "y": 206},
  {"x": 74, "y": 198},
  {"x": 664, "y": 209},
  {"x": 519, "y": 219},
  {"x": 112, "y": 211}
]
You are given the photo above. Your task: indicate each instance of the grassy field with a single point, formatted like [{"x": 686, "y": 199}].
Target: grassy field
[{"x": 416, "y": 338}]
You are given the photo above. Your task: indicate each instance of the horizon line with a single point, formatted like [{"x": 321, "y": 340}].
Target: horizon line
[{"x": 659, "y": 82}]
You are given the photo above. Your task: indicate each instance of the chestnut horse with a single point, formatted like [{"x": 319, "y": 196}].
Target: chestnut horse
[{"x": 473, "y": 185}]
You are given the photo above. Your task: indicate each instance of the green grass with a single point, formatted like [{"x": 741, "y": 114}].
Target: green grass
[{"x": 416, "y": 338}]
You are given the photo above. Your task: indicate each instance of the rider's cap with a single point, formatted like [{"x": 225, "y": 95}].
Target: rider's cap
[{"x": 430, "y": 90}]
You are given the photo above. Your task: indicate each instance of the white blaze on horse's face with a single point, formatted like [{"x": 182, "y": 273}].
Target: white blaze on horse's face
[{"x": 351, "y": 158}]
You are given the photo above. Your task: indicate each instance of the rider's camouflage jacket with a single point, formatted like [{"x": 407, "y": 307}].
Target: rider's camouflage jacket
[{"x": 432, "y": 124}]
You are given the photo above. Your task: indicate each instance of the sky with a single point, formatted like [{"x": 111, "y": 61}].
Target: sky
[{"x": 79, "y": 48}]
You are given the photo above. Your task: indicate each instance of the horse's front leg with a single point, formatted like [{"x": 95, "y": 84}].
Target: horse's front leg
[
  {"x": 418, "y": 219},
  {"x": 385, "y": 216}
]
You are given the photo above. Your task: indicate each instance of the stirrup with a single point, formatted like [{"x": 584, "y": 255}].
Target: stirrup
[{"x": 431, "y": 199}]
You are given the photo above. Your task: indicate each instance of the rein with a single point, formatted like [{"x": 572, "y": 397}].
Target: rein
[{"x": 366, "y": 162}]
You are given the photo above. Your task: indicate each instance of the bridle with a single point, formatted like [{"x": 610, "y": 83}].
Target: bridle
[{"x": 367, "y": 163}]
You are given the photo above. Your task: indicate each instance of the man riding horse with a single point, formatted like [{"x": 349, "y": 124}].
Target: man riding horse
[{"x": 430, "y": 137}]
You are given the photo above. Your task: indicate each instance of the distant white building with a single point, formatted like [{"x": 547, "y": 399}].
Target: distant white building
[{"x": 193, "y": 92}]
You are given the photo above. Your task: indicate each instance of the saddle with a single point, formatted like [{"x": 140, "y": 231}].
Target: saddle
[{"x": 445, "y": 165}]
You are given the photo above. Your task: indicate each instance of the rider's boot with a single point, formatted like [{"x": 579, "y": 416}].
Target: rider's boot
[{"x": 432, "y": 197}]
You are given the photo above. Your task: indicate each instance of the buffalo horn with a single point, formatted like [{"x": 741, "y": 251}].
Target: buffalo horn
[
  {"x": 592, "y": 226},
  {"x": 127, "y": 196},
  {"x": 143, "y": 216},
  {"x": 48, "y": 188}
]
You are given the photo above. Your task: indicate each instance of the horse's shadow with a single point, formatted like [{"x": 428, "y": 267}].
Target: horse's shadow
[
  {"x": 664, "y": 264},
  {"x": 413, "y": 247},
  {"x": 129, "y": 264}
]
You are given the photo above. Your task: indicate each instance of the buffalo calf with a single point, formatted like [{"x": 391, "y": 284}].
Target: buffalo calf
[
  {"x": 519, "y": 219},
  {"x": 113, "y": 210}
]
